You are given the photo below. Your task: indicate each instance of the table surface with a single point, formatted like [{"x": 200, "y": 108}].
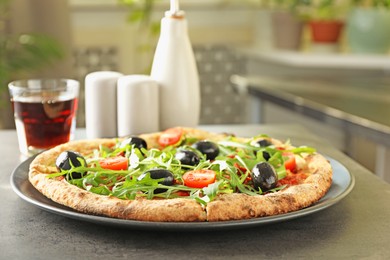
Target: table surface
[
  {"x": 359, "y": 105},
  {"x": 358, "y": 226}
]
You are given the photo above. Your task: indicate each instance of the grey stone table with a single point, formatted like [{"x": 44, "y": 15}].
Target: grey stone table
[{"x": 356, "y": 227}]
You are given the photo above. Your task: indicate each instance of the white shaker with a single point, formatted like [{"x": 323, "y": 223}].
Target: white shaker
[
  {"x": 174, "y": 69},
  {"x": 100, "y": 104},
  {"x": 138, "y": 105}
]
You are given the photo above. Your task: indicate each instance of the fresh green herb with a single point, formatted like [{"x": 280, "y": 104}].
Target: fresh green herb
[
  {"x": 233, "y": 168},
  {"x": 303, "y": 149}
]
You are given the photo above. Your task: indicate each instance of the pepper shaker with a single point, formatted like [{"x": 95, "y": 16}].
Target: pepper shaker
[
  {"x": 137, "y": 100},
  {"x": 100, "y": 104}
]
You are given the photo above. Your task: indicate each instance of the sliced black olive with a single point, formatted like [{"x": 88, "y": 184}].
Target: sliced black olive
[
  {"x": 264, "y": 176},
  {"x": 159, "y": 174},
  {"x": 263, "y": 143},
  {"x": 266, "y": 155},
  {"x": 68, "y": 158},
  {"x": 207, "y": 148},
  {"x": 187, "y": 157},
  {"x": 136, "y": 141}
]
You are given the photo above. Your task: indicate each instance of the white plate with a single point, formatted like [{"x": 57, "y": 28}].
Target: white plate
[{"x": 343, "y": 183}]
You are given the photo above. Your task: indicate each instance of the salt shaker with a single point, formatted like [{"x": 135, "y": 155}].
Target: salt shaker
[
  {"x": 137, "y": 100},
  {"x": 100, "y": 104},
  {"x": 174, "y": 69}
]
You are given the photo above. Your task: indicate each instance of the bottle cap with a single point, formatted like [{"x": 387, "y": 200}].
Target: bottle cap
[{"x": 174, "y": 11}]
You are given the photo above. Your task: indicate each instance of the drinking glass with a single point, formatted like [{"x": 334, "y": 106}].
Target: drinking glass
[{"x": 44, "y": 111}]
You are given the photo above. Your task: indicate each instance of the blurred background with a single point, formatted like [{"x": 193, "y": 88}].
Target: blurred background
[{"x": 336, "y": 40}]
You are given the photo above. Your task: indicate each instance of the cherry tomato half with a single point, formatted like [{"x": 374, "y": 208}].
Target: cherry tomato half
[
  {"x": 290, "y": 162},
  {"x": 199, "y": 178},
  {"x": 115, "y": 163},
  {"x": 170, "y": 136},
  {"x": 183, "y": 193}
]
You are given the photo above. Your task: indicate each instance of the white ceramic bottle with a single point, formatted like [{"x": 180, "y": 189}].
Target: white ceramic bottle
[
  {"x": 137, "y": 100},
  {"x": 100, "y": 104},
  {"x": 174, "y": 69}
]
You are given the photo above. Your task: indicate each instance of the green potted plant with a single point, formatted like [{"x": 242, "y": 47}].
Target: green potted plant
[
  {"x": 368, "y": 27},
  {"x": 20, "y": 54},
  {"x": 140, "y": 13},
  {"x": 287, "y": 23},
  {"x": 326, "y": 20}
]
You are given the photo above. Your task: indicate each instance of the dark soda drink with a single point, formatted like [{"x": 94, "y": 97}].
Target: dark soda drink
[
  {"x": 44, "y": 124},
  {"x": 44, "y": 111}
]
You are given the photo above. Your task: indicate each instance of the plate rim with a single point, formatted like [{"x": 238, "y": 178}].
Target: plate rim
[{"x": 177, "y": 226}]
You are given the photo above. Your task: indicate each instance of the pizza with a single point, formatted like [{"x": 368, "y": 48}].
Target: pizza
[{"x": 182, "y": 175}]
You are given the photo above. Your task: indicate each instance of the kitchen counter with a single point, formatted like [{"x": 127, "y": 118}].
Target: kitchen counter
[
  {"x": 356, "y": 107},
  {"x": 360, "y": 106},
  {"x": 356, "y": 227}
]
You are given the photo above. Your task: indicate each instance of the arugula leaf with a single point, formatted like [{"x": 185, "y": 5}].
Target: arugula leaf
[
  {"x": 207, "y": 194},
  {"x": 238, "y": 145},
  {"x": 212, "y": 189},
  {"x": 303, "y": 149},
  {"x": 233, "y": 167}
]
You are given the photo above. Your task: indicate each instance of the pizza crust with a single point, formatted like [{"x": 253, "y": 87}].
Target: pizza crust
[
  {"x": 226, "y": 207},
  {"x": 241, "y": 206},
  {"x": 62, "y": 192}
]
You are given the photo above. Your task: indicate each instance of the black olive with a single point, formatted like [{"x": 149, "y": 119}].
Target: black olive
[
  {"x": 266, "y": 155},
  {"x": 68, "y": 158},
  {"x": 158, "y": 174},
  {"x": 187, "y": 157},
  {"x": 136, "y": 141},
  {"x": 207, "y": 148},
  {"x": 264, "y": 176},
  {"x": 263, "y": 143}
]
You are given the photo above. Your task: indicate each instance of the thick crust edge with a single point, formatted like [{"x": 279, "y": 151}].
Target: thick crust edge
[{"x": 240, "y": 206}]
